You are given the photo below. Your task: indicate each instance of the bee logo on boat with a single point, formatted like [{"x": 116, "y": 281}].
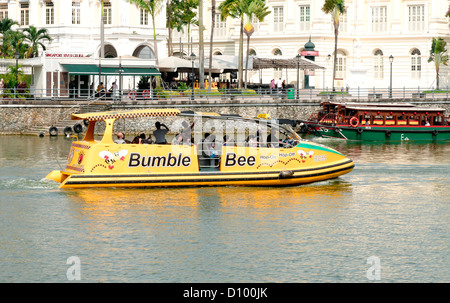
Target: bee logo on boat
[
  {"x": 111, "y": 158},
  {"x": 304, "y": 155}
]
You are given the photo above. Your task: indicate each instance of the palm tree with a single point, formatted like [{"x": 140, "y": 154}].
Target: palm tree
[
  {"x": 35, "y": 38},
  {"x": 258, "y": 9},
  {"x": 189, "y": 18},
  {"x": 15, "y": 41},
  {"x": 169, "y": 24},
  {"x": 438, "y": 54},
  {"x": 14, "y": 76},
  {"x": 236, "y": 10},
  {"x": 201, "y": 46},
  {"x": 153, "y": 7},
  {"x": 5, "y": 25},
  {"x": 335, "y": 8},
  {"x": 213, "y": 21}
]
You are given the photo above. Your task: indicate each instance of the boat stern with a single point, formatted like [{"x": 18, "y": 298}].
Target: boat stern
[{"x": 57, "y": 176}]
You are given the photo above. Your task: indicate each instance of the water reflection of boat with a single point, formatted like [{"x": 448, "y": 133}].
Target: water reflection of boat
[
  {"x": 272, "y": 162},
  {"x": 385, "y": 122},
  {"x": 207, "y": 198}
]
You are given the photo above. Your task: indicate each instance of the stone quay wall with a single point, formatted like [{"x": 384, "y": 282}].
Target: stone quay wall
[{"x": 17, "y": 119}]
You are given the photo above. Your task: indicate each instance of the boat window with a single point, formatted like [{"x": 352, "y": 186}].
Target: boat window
[
  {"x": 390, "y": 120},
  {"x": 401, "y": 120},
  {"x": 238, "y": 133},
  {"x": 378, "y": 120},
  {"x": 413, "y": 120}
]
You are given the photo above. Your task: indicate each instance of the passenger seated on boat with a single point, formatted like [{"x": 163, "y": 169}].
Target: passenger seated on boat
[
  {"x": 160, "y": 134},
  {"x": 227, "y": 141},
  {"x": 120, "y": 138},
  {"x": 427, "y": 123},
  {"x": 288, "y": 142},
  {"x": 177, "y": 140},
  {"x": 210, "y": 150},
  {"x": 251, "y": 141},
  {"x": 272, "y": 140},
  {"x": 258, "y": 139},
  {"x": 209, "y": 146},
  {"x": 136, "y": 140},
  {"x": 186, "y": 133},
  {"x": 149, "y": 140},
  {"x": 143, "y": 140}
]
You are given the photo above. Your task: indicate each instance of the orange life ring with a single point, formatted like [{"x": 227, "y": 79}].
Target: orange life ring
[
  {"x": 354, "y": 122},
  {"x": 146, "y": 94},
  {"x": 132, "y": 94}
]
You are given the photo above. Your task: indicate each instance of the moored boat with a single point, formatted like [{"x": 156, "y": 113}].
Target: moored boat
[
  {"x": 379, "y": 122},
  {"x": 101, "y": 162}
]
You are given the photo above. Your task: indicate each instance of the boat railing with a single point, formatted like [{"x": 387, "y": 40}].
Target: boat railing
[
  {"x": 330, "y": 119},
  {"x": 223, "y": 94},
  {"x": 212, "y": 162},
  {"x": 314, "y": 117}
]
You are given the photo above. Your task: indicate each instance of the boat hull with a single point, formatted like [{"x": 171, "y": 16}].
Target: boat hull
[
  {"x": 306, "y": 163},
  {"x": 374, "y": 133},
  {"x": 268, "y": 178},
  {"x": 271, "y": 162}
]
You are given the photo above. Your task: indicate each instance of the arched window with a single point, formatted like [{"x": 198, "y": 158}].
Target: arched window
[
  {"x": 110, "y": 51},
  {"x": 341, "y": 65},
  {"x": 252, "y": 52},
  {"x": 144, "y": 52},
  {"x": 378, "y": 65},
  {"x": 416, "y": 64},
  {"x": 277, "y": 52}
]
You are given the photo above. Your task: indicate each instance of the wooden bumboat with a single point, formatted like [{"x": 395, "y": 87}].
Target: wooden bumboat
[
  {"x": 379, "y": 122},
  {"x": 104, "y": 163}
]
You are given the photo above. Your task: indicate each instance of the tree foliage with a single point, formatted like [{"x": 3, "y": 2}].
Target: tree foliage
[
  {"x": 438, "y": 55},
  {"x": 335, "y": 8},
  {"x": 153, "y": 7},
  {"x": 239, "y": 9}
]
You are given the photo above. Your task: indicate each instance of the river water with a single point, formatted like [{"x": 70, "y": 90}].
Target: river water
[{"x": 386, "y": 221}]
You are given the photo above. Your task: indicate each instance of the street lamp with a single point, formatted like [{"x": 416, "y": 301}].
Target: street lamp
[
  {"x": 120, "y": 78},
  {"x": 192, "y": 56},
  {"x": 17, "y": 56},
  {"x": 297, "y": 58},
  {"x": 391, "y": 59},
  {"x": 328, "y": 62}
]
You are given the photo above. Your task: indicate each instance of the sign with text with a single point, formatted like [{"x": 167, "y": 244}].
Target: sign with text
[
  {"x": 67, "y": 55},
  {"x": 309, "y": 53}
]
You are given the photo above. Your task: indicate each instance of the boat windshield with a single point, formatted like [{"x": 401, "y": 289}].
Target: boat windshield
[{"x": 190, "y": 129}]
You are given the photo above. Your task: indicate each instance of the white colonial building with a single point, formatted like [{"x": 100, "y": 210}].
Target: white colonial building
[
  {"x": 370, "y": 32},
  {"x": 75, "y": 26}
]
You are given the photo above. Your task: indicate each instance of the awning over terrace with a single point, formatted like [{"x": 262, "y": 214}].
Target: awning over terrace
[
  {"x": 92, "y": 69},
  {"x": 284, "y": 62}
]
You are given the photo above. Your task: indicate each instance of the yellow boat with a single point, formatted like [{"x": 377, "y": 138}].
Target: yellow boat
[{"x": 101, "y": 162}]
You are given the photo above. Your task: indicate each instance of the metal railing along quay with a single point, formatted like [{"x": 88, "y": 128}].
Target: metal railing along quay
[{"x": 160, "y": 96}]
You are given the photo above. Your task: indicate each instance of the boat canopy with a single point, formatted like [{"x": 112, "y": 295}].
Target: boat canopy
[
  {"x": 382, "y": 107},
  {"x": 166, "y": 112},
  {"x": 395, "y": 109},
  {"x": 172, "y": 112},
  {"x": 362, "y": 104},
  {"x": 127, "y": 114}
]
